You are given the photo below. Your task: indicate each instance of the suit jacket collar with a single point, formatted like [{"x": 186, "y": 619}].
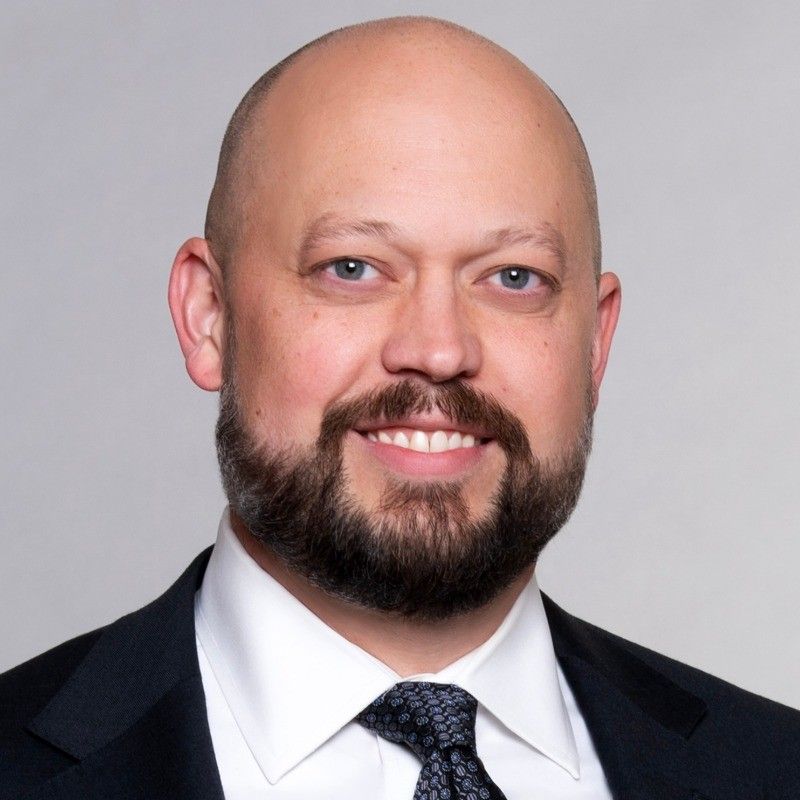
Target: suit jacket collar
[
  {"x": 640, "y": 720},
  {"x": 133, "y": 714},
  {"x": 656, "y": 695}
]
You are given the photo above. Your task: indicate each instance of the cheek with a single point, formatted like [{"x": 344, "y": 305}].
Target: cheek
[
  {"x": 293, "y": 366},
  {"x": 544, "y": 379}
]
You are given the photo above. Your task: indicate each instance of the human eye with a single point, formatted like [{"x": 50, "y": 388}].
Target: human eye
[
  {"x": 351, "y": 269},
  {"x": 518, "y": 279}
]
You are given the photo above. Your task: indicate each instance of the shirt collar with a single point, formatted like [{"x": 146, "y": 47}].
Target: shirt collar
[
  {"x": 515, "y": 676},
  {"x": 279, "y": 667}
]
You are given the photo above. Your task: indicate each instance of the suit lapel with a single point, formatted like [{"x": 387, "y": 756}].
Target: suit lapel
[
  {"x": 133, "y": 714},
  {"x": 640, "y": 721}
]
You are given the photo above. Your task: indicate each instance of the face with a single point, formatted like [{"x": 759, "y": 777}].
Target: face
[{"x": 404, "y": 231}]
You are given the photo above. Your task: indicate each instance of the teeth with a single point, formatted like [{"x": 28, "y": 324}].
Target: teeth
[
  {"x": 439, "y": 443},
  {"x": 455, "y": 441},
  {"x": 423, "y": 442},
  {"x": 419, "y": 442}
]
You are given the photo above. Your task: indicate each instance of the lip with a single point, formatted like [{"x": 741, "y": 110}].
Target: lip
[{"x": 413, "y": 464}]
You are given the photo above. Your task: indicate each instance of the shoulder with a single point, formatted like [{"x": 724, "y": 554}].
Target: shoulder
[
  {"x": 721, "y": 723},
  {"x": 715, "y": 691},
  {"x": 80, "y": 695},
  {"x": 26, "y": 688},
  {"x": 763, "y": 732},
  {"x": 726, "y": 699},
  {"x": 24, "y": 691},
  {"x": 128, "y": 641}
]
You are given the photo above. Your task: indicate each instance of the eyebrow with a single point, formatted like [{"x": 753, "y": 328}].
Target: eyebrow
[
  {"x": 543, "y": 235},
  {"x": 330, "y": 227}
]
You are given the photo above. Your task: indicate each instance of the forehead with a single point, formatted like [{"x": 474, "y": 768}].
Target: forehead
[{"x": 431, "y": 138}]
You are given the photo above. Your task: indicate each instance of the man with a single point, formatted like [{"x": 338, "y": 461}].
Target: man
[{"x": 399, "y": 298}]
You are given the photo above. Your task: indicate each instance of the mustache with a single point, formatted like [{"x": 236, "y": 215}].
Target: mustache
[{"x": 456, "y": 400}]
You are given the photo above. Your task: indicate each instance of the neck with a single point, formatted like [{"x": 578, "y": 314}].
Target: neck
[{"x": 407, "y": 646}]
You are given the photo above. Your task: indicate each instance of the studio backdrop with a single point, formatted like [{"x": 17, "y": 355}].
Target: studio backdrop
[{"x": 686, "y": 538}]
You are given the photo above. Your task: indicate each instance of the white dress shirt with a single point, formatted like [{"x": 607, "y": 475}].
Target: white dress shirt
[{"x": 282, "y": 689}]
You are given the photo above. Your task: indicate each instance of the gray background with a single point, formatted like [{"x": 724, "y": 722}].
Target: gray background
[{"x": 686, "y": 537}]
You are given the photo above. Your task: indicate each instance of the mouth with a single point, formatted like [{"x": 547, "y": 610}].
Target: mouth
[
  {"x": 425, "y": 446},
  {"x": 421, "y": 441}
]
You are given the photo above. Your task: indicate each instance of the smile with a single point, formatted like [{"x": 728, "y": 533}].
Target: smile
[
  {"x": 439, "y": 441},
  {"x": 425, "y": 445}
]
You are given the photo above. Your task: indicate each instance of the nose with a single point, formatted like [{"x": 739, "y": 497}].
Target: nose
[{"x": 431, "y": 337}]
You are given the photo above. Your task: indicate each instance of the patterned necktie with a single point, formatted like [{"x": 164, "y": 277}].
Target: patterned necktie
[{"x": 437, "y": 721}]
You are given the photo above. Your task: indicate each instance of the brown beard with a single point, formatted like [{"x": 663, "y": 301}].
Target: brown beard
[{"x": 420, "y": 554}]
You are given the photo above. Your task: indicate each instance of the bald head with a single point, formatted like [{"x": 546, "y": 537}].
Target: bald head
[
  {"x": 396, "y": 59},
  {"x": 399, "y": 205}
]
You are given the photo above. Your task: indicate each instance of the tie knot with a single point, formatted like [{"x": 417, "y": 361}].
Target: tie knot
[{"x": 425, "y": 716}]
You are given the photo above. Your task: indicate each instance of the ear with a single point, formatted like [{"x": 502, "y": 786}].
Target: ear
[
  {"x": 196, "y": 304},
  {"x": 609, "y": 299}
]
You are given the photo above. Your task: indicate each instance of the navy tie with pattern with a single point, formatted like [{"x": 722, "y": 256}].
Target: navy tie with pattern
[{"x": 437, "y": 721}]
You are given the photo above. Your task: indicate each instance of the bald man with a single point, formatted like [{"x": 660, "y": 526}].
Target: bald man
[{"x": 399, "y": 298}]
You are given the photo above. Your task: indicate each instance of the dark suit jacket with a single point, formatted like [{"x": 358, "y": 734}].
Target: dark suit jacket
[{"x": 120, "y": 713}]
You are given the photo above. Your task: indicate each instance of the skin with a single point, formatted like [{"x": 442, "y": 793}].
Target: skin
[{"x": 447, "y": 139}]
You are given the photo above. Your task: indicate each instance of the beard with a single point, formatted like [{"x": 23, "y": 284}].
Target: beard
[{"x": 419, "y": 554}]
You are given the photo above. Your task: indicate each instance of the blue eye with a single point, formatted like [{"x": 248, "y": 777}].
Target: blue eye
[
  {"x": 352, "y": 269},
  {"x": 515, "y": 277}
]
